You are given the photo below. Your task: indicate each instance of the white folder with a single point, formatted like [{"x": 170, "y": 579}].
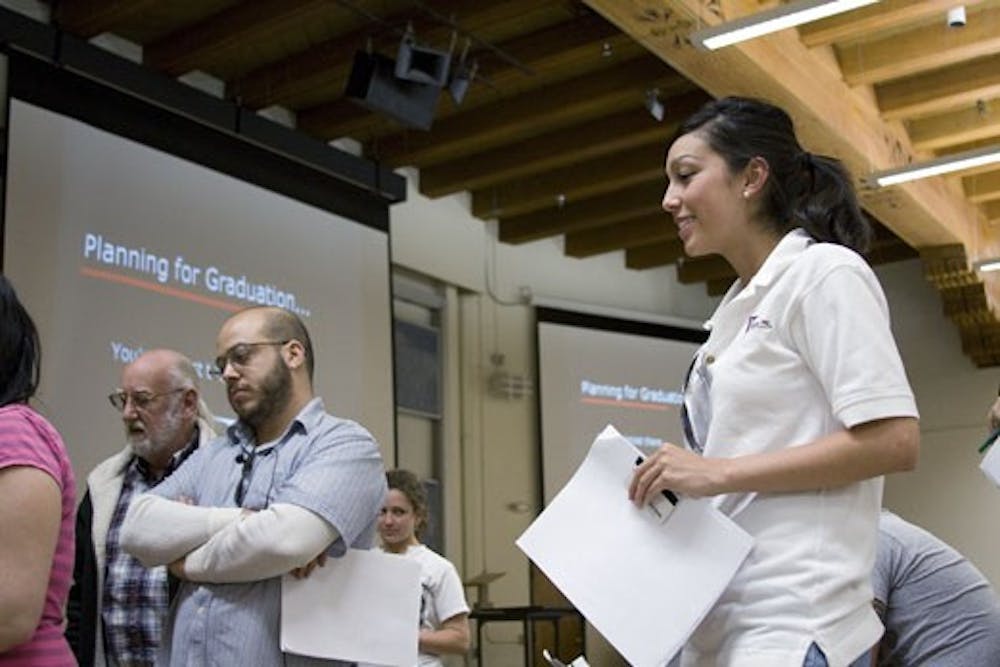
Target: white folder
[{"x": 644, "y": 582}]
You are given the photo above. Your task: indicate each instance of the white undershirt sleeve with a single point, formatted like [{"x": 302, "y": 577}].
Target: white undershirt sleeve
[
  {"x": 261, "y": 545},
  {"x": 158, "y": 531}
]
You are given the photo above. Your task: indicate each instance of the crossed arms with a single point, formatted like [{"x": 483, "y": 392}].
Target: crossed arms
[{"x": 224, "y": 544}]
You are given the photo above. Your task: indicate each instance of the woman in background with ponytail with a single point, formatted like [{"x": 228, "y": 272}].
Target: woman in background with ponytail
[{"x": 797, "y": 403}]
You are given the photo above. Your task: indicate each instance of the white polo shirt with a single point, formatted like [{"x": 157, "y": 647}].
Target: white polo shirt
[{"x": 804, "y": 350}]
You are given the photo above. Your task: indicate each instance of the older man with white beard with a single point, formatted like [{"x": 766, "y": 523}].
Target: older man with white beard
[{"x": 116, "y": 605}]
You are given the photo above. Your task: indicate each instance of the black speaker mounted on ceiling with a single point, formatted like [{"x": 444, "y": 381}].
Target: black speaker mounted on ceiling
[{"x": 373, "y": 83}]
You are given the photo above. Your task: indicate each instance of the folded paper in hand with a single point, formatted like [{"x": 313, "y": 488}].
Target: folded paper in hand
[
  {"x": 643, "y": 583},
  {"x": 990, "y": 465}
]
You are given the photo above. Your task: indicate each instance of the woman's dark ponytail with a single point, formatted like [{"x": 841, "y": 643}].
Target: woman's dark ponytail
[{"x": 827, "y": 207}]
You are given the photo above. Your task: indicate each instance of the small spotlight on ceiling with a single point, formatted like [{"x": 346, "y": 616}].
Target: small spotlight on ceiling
[
  {"x": 607, "y": 50},
  {"x": 654, "y": 105},
  {"x": 956, "y": 17},
  {"x": 462, "y": 75},
  {"x": 460, "y": 81}
]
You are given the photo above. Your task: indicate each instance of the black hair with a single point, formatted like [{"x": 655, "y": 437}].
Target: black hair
[
  {"x": 814, "y": 192},
  {"x": 409, "y": 485},
  {"x": 282, "y": 324},
  {"x": 20, "y": 349}
]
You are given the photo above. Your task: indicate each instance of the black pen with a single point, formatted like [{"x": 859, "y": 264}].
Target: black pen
[
  {"x": 989, "y": 440},
  {"x": 669, "y": 495}
]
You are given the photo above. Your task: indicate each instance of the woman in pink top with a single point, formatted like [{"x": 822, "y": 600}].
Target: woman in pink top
[{"x": 37, "y": 497}]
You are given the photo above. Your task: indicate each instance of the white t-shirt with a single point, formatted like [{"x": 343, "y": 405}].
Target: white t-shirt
[
  {"x": 442, "y": 595},
  {"x": 802, "y": 351}
]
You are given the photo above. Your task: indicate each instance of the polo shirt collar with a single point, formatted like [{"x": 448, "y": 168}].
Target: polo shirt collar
[
  {"x": 781, "y": 257},
  {"x": 788, "y": 249},
  {"x": 308, "y": 418}
]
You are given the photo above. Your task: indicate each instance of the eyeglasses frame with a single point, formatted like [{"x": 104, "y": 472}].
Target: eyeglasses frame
[
  {"x": 124, "y": 396},
  {"x": 220, "y": 363}
]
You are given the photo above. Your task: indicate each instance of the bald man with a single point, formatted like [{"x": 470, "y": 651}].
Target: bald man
[
  {"x": 117, "y": 606},
  {"x": 287, "y": 485}
]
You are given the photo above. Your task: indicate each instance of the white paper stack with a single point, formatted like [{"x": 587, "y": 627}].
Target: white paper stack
[
  {"x": 644, "y": 583},
  {"x": 363, "y": 607}
]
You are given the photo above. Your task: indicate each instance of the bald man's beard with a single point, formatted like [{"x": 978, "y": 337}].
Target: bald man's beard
[{"x": 273, "y": 396}]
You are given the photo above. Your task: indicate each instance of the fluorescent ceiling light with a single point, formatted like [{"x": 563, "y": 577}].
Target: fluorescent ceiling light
[
  {"x": 943, "y": 165},
  {"x": 984, "y": 265},
  {"x": 772, "y": 20}
]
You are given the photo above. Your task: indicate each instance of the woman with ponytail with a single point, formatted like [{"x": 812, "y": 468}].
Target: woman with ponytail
[{"x": 797, "y": 403}]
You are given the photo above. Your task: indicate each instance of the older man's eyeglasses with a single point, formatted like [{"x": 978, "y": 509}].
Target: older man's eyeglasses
[
  {"x": 140, "y": 399},
  {"x": 239, "y": 355}
]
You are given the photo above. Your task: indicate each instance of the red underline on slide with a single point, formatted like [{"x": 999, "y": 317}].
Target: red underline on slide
[
  {"x": 113, "y": 277},
  {"x": 625, "y": 404}
]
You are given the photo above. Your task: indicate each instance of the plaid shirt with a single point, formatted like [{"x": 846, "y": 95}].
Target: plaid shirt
[{"x": 135, "y": 598}]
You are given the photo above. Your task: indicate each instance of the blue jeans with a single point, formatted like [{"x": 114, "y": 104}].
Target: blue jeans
[{"x": 815, "y": 657}]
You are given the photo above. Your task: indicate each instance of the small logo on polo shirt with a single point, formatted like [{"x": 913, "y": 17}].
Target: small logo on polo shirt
[{"x": 757, "y": 322}]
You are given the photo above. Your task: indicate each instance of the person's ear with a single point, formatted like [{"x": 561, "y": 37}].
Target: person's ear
[
  {"x": 755, "y": 176},
  {"x": 294, "y": 354},
  {"x": 189, "y": 404}
]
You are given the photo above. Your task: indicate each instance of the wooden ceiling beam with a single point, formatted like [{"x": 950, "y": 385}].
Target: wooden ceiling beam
[
  {"x": 87, "y": 18},
  {"x": 991, "y": 210},
  {"x": 309, "y": 77},
  {"x": 644, "y": 230},
  {"x": 343, "y": 118},
  {"x": 294, "y": 81},
  {"x": 831, "y": 118},
  {"x": 617, "y": 132},
  {"x": 718, "y": 286},
  {"x": 943, "y": 89},
  {"x": 575, "y": 182},
  {"x": 654, "y": 254},
  {"x": 573, "y": 101},
  {"x": 234, "y": 30},
  {"x": 893, "y": 250},
  {"x": 714, "y": 269},
  {"x": 702, "y": 269},
  {"x": 875, "y": 18},
  {"x": 537, "y": 154},
  {"x": 585, "y": 214},
  {"x": 948, "y": 129},
  {"x": 924, "y": 48},
  {"x": 982, "y": 187}
]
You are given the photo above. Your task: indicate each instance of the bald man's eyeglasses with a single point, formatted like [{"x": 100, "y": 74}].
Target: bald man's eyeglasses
[
  {"x": 239, "y": 355},
  {"x": 141, "y": 400}
]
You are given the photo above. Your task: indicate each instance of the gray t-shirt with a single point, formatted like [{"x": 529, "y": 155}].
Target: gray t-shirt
[{"x": 940, "y": 610}]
